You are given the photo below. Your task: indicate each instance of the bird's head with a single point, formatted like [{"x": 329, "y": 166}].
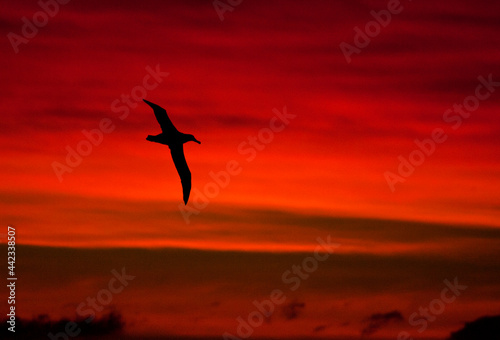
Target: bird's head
[{"x": 192, "y": 139}]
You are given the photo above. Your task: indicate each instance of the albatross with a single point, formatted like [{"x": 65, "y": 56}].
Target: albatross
[{"x": 175, "y": 140}]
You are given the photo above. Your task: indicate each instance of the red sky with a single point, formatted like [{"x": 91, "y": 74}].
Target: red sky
[{"x": 323, "y": 174}]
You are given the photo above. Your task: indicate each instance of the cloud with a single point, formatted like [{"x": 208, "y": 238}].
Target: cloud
[
  {"x": 53, "y": 211},
  {"x": 179, "y": 285},
  {"x": 319, "y": 328},
  {"x": 379, "y": 320},
  {"x": 40, "y": 326},
  {"x": 293, "y": 309},
  {"x": 486, "y": 327}
]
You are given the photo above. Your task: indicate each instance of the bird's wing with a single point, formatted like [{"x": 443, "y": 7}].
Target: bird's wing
[
  {"x": 162, "y": 118},
  {"x": 177, "y": 152}
]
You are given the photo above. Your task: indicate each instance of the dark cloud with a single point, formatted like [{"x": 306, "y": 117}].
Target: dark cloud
[
  {"x": 293, "y": 309},
  {"x": 484, "y": 328},
  {"x": 319, "y": 328},
  {"x": 379, "y": 320},
  {"x": 40, "y": 326},
  {"x": 175, "y": 281}
]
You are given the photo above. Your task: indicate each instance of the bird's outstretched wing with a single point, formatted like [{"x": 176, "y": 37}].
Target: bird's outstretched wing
[
  {"x": 177, "y": 152},
  {"x": 162, "y": 118}
]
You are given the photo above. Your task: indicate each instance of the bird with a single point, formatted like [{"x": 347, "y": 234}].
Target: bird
[{"x": 175, "y": 140}]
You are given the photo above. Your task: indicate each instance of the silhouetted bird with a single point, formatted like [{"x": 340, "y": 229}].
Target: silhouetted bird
[{"x": 174, "y": 139}]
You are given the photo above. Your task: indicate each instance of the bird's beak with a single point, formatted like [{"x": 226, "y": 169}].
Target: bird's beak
[{"x": 197, "y": 141}]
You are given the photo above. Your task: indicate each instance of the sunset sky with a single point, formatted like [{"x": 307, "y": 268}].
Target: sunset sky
[{"x": 324, "y": 172}]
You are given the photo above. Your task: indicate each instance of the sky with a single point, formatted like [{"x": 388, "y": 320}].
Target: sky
[{"x": 384, "y": 141}]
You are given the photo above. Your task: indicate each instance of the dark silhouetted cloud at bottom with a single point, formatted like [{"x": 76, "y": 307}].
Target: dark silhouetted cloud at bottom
[
  {"x": 40, "y": 326},
  {"x": 484, "y": 328}
]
